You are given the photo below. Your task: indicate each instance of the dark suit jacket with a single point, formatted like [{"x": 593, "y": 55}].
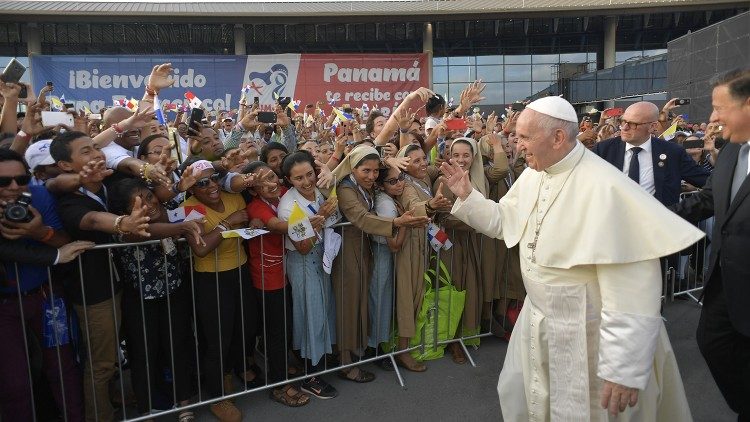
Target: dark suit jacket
[
  {"x": 731, "y": 234},
  {"x": 678, "y": 166},
  {"x": 18, "y": 251}
]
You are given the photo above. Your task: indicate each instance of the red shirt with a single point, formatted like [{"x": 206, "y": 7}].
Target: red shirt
[{"x": 266, "y": 270}]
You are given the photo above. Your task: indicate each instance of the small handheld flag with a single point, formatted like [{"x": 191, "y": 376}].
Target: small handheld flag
[
  {"x": 300, "y": 227},
  {"x": 195, "y": 102},
  {"x": 158, "y": 111}
]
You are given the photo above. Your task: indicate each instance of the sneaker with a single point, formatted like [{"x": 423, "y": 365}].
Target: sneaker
[
  {"x": 318, "y": 388},
  {"x": 225, "y": 411}
]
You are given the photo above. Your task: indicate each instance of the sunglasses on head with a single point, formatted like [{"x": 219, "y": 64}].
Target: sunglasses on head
[
  {"x": 393, "y": 181},
  {"x": 21, "y": 180},
  {"x": 202, "y": 183}
]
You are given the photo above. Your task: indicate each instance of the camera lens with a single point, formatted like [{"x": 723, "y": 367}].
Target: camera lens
[{"x": 16, "y": 213}]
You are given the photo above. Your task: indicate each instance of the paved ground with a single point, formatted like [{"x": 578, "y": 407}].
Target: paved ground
[{"x": 449, "y": 392}]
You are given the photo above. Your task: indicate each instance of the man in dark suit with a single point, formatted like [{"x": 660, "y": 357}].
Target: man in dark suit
[
  {"x": 657, "y": 165},
  {"x": 724, "y": 328}
]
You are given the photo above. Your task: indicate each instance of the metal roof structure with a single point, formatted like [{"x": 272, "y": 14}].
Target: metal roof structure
[{"x": 238, "y": 10}]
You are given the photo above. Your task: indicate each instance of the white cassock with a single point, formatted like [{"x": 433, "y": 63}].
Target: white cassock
[{"x": 593, "y": 283}]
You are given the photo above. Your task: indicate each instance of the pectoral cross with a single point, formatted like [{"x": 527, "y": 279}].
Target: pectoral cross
[{"x": 532, "y": 246}]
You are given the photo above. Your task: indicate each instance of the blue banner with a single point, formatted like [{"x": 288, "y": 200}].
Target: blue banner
[{"x": 99, "y": 81}]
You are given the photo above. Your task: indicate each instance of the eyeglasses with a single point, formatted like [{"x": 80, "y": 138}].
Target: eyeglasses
[
  {"x": 395, "y": 180},
  {"x": 21, "y": 180},
  {"x": 624, "y": 124},
  {"x": 202, "y": 183}
]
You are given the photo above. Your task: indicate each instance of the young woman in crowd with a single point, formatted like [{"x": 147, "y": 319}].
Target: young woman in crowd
[
  {"x": 156, "y": 298},
  {"x": 266, "y": 261},
  {"x": 411, "y": 259},
  {"x": 312, "y": 295},
  {"x": 356, "y": 193},
  {"x": 390, "y": 185},
  {"x": 224, "y": 300},
  {"x": 273, "y": 154},
  {"x": 463, "y": 259}
]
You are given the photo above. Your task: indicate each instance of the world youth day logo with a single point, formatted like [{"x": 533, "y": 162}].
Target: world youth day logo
[{"x": 270, "y": 83}]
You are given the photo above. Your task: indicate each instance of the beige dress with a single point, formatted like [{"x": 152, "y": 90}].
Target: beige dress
[
  {"x": 593, "y": 292},
  {"x": 351, "y": 269},
  {"x": 411, "y": 259}
]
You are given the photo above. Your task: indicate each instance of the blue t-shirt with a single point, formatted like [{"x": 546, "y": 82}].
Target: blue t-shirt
[{"x": 32, "y": 276}]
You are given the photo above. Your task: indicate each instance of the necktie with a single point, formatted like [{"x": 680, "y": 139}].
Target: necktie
[
  {"x": 740, "y": 170},
  {"x": 634, "y": 171}
]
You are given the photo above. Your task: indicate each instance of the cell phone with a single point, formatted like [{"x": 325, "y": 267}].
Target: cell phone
[
  {"x": 381, "y": 150},
  {"x": 13, "y": 72},
  {"x": 267, "y": 117},
  {"x": 284, "y": 101},
  {"x": 24, "y": 92},
  {"x": 613, "y": 112},
  {"x": 95, "y": 116},
  {"x": 256, "y": 101},
  {"x": 49, "y": 83},
  {"x": 69, "y": 105},
  {"x": 698, "y": 143},
  {"x": 196, "y": 117},
  {"x": 53, "y": 118},
  {"x": 682, "y": 101},
  {"x": 517, "y": 106},
  {"x": 455, "y": 124}
]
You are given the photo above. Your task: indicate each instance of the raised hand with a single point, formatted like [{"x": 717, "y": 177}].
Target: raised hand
[
  {"x": 404, "y": 118},
  {"x": 193, "y": 229},
  {"x": 491, "y": 122},
  {"x": 137, "y": 222},
  {"x": 408, "y": 219},
  {"x": 139, "y": 119},
  {"x": 457, "y": 179},
  {"x": 166, "y": 161},
  {"x": 187, "y": 179},
  {"x": 329, "y": 207},
  {"x": 472, "y": 94},
  {"x": 439, "y": 201},
  {"x": 94, "y": 171},
  {"x": 325, "y": 177},
  {"x": 9, "y": 90},
  {"x": 32, "y": 123},
  {"x": 265, "y": 178},
  {"x": 422, "y": 93},
  {"x": 401, "y": 163},
  {"x": 160, "y": 77},
  {"x": 231, "y": 159}
]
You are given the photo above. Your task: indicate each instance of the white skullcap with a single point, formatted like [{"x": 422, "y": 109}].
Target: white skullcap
[
  {"x": 555, "y": 107},
  {"x": 201, "y": 165}
]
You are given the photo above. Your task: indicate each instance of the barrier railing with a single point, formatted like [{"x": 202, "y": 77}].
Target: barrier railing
[{"x": 182, "y": 349}]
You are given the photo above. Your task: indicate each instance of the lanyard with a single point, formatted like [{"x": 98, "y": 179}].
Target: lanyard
[
  {"x": 417, "y": 185},
  {"x": 95, "y": 197},
  {"x": 370, "y": 201}
]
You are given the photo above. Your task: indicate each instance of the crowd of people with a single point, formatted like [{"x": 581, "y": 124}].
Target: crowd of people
[{"x": 369, "y": 182}]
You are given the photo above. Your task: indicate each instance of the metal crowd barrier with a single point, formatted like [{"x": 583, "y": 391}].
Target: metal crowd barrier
[
  {"x": 251, "y": 341},
  {"x": 686, "y": 271}
]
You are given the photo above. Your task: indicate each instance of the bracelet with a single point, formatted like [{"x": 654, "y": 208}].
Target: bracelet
[
  {"x": 117, "y": 128},
  {"x": 144, "y": 171},
  {"x": 336, "y": 158},
  {"x": 23, "y": 135},
  {"x": 118, "y": 225},
  {"x": 403, "y": 131},
  {"x": 48, "y": 235},
  {"x": 222, "y": 227},
  {"x": 150, "y": 91},
  {"x": 176, "y": 188},
  {"x": 226, "y": 224}
]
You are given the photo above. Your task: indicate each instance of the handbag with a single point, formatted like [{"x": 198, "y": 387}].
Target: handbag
[{"x": 439, "y": 315}]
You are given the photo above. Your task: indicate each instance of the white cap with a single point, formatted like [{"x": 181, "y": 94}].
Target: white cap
[
  {"x": 37, "y": 154},
  {"x": 555, "y": 107}
]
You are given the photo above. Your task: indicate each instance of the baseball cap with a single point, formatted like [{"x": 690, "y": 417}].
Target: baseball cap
[{"x": 37, "y": 154}]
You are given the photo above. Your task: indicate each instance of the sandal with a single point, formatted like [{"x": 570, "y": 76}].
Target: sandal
[
  {"x": 362, "y": 376},
  {"x": 413, "y": 366},
  {"x": 457, "y": 353},
  {"x": 256, "y": 381},
  {"x": 186, "y": 416},
  {"x": 281, "y": 395}
]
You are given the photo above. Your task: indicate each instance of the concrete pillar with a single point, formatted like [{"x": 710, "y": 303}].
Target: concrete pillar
[
  {"x": 610, "y": 35},
  {"x": 610, "y": 48},
  {"x": 239, "y": 40},
  {"x": 427, "y": 49},
  {"x": 33, "y": 44}
]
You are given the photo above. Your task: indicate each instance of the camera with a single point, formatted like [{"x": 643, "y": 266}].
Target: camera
[
  {"x": 18, "y": 212},
  {"x": 682, "y": 101}
]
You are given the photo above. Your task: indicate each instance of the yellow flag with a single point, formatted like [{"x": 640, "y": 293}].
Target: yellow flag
[
  {"x": 669, "y": 132},
  {"x": 300, "y": 227},
  {"x": 86, "y": 110},
  {"x": 56, "y": 103},
  {"x": 343, "y": 117}
]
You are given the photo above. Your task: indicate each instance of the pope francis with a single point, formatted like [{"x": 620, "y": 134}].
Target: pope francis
[{"x": 589, "y": 343}]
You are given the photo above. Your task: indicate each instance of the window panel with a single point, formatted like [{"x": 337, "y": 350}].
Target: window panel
[
  {"x": 461, "y": 60},
  {"x": 494, "y": 94},
  {"x": 518, "y": 59},
  {"x": 517, "y": 73},
  {"x": 490, "y": 73},
  {"x": 489, "y": 60},
  {"x": 544, "y": 72},
  {"x": 440, "y": 74},
  {"x": 545, "y": 58},
  {"x": 461, "y": 74},
  {"x": 517, "y": 91}
]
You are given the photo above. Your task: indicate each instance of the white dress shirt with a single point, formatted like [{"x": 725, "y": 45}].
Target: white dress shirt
[{"x": 646, "y": 165}]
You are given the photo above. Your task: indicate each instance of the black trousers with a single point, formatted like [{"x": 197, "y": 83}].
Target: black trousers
[
  {"x": 221, "y": 306},
  {"x": 276, "y": 314},
  {"x": 726, "y": 351},
  {"x": 149, "y": 337}
]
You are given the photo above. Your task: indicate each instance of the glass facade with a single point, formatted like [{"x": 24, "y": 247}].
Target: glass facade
[
  {"x": 508, "y": 77},
  {"x": 512, "y": 78}
]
